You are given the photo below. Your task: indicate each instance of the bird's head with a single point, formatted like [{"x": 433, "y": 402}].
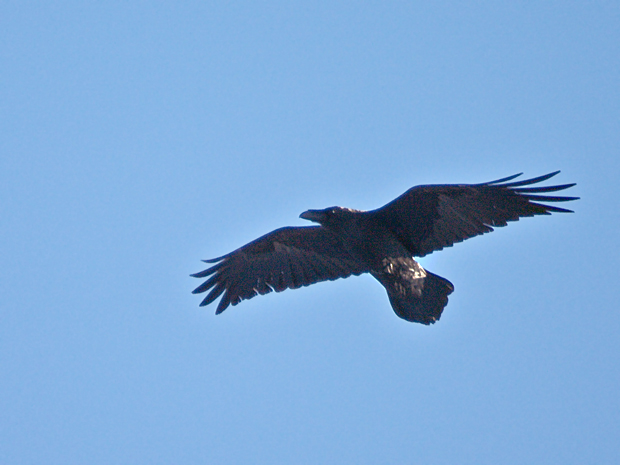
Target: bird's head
[{"x": 327, "y": 216}]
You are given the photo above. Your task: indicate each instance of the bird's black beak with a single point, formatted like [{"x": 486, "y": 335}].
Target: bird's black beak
[{"x": 313, "y": 215}]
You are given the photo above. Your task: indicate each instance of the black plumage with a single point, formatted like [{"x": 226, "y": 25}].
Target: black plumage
[{"x": 381, "y": 242}]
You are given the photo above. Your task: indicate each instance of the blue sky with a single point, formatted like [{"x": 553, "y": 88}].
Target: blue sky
[{"x": 141, "y": 137}]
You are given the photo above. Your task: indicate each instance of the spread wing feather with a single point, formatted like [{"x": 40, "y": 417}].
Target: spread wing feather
[
  {"x": 287, "y": 258},
  {"x": 429, "y": 218}
]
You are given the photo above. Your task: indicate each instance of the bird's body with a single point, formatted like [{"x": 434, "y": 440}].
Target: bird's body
[{"x": 381, "y": 242}]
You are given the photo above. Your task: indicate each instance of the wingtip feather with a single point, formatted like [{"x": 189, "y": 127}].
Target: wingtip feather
[
  {"x": 497, "y": 181},
  {"x": 223, "y": 305},
  {"x": 536, "y": 180}
]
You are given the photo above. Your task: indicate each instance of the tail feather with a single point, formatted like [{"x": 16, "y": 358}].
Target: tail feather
[{"x": 418, "y": 298}]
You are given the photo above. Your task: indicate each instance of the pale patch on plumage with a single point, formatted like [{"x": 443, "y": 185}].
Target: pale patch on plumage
[
  {"x": 408, "y": 273},
  {"x": 399, "y": 265}
]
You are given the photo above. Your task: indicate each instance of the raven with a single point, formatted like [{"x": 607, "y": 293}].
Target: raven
[{"x": 381, "y": 242}]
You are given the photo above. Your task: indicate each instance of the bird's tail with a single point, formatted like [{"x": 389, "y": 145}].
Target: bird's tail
[{"x": 421, "y": 300}]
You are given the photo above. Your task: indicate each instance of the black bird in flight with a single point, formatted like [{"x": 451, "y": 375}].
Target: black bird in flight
[{"x": 381, "y": 242}]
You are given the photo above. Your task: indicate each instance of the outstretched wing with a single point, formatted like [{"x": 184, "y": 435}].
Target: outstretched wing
[
  {"x": 286, "y": 258},
  {"x": 429, "y": 218}
]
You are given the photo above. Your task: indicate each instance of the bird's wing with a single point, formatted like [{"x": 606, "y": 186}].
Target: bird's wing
[
  {"x": 286, "y": 258},
  {"x": 429, "y": 218}
]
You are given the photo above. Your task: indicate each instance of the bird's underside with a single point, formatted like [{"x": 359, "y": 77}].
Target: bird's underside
[{"x": 381, "y": 242}]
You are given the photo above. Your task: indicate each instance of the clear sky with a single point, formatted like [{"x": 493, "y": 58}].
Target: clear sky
[{"x": 140, "y": 137}]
